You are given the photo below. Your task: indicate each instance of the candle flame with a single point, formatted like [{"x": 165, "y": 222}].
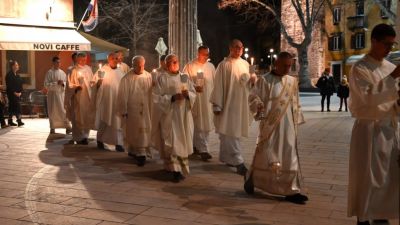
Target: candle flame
[{"x": 251, "y": 60}]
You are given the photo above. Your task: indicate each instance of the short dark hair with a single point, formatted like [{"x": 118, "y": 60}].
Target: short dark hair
[
  {"x": 201, "y": 48},
  {"x": 11, "y": 63},
  {"x": 381, "y": 31},
  {"x": 73, "y": 56},
  {"x": 81, "y": 54},
  {"x": 162, "y": 57},
  {"x": 285, "y": 55},
  {"x": 55, "y": 58}
]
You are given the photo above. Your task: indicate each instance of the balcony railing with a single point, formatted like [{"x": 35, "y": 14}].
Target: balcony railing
[{"x": 355, "y": 22}]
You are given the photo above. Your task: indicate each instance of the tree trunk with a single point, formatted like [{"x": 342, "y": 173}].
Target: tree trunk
[{"x": 304, "y": 72}]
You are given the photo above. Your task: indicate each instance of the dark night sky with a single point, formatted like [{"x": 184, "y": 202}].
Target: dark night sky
[{"x": 217, "y": 28}]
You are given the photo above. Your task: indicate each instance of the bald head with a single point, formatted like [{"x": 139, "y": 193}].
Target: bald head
[
  {"x": 138, "y": 64},
  {"x": 235, "y": 48}
]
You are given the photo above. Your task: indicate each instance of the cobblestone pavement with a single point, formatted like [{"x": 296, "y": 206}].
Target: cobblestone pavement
[{"x": 45, "y": 180}]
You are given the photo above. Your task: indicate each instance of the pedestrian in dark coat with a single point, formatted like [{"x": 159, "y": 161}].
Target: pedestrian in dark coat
[
  {"x": 14, "y": 91},
  {"x": 343, "y": 92},
  {"x": 326, "y": 87}
]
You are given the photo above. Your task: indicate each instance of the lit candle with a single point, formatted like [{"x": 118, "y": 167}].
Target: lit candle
[
  {"x": 252, "y": 60},
  {"x": 100, "y": 65},
  {"x": 154, "y": 70}
]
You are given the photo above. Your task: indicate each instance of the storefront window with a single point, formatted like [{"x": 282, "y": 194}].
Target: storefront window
[{"x": 24, "y": 60}]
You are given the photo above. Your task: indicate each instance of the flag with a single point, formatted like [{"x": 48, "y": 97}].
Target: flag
[{"x": 91, "y": 22}]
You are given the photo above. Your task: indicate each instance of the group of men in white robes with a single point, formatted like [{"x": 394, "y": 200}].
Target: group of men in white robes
[{"x": 174, "y": 112}]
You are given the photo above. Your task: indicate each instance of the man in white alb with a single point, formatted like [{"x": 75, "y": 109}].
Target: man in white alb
[
  {"x": 81, "y": 81},
  {"x": 55, "y": 81},
  {"x": 134, "y": 106},
  {"x": 175, "y": 95},
  {"x": 229, "y": 97},
  {"x": 373, "y": 191},
  {"x": 202, "y": 74},
  {"x": 275, "y": 102},
  {"x": 108, "y": 122}
]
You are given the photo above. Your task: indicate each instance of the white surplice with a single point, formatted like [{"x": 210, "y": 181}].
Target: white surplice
[
  {"x": 124, "y": 67},
  {"x": 275, "y": 167},
  {"x": 69, "y": 92},
  {"x": 156, "y": 138},
  {"x": 134, "y": 106},
  {"x": 374, "y": 150},
  {"x": 230, "y": 95},
  {"x": 107, "y": 120},
  {"x": 176, "y": 121},
  {"x": 84, "y": 102},
  {"x": 55, "y": 98},
  {"x": 202, "y": 109}
]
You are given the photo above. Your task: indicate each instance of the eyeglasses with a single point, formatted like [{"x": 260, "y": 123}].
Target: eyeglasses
[
  {"x": 390, "y": 45},
  {"x": 237, "y": 47}
]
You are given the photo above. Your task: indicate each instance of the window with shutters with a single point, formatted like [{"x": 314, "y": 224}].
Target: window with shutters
[
  {"x": 359, "y": 8},
  {"x": 360, "y": 41},
  {"x": 336, "y": 15},
  {"x": 335, "y": 42},
  {"x": 386, "y": 4}
]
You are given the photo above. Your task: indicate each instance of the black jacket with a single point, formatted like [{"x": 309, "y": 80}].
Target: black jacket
[
  {"x": 326, "y": 85},
  {"x": 343, "y": 91},
  {"x": 14, "y": 83}
]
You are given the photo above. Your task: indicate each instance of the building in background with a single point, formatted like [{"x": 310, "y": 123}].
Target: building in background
[
  {"x": 32, "y": 32},
  {"x": 348, "y": 26}
]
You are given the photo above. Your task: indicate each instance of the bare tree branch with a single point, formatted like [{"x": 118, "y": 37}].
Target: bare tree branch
[{"x": 133, "y": 21}]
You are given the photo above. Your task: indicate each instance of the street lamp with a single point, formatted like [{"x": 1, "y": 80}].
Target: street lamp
[{"x": 271, "y": 57}]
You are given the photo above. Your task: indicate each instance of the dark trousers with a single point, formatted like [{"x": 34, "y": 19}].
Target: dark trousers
[
  {"x": 341, "y": 103},
  {"x": 2, "y": 122},
  {"x": 328, "y": 102}
]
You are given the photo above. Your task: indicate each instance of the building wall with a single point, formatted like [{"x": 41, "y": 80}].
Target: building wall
[
  {"x": 37, "y": 12},
  {"x": 294, "y": 29},
  {"x": 373, "y": 17}
]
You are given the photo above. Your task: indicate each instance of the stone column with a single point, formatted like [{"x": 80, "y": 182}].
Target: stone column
[{"x": 182, "y": 29}]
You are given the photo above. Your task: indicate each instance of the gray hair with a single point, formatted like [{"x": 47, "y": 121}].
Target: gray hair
[
  {"x": 136, "y": 59},
  {"x": 169, "y": 57}
]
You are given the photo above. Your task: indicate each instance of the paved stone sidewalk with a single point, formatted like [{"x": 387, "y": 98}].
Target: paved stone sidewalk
[{"x": 45, "y": 180}]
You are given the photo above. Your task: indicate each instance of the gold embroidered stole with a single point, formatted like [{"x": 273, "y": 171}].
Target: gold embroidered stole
[{"x": 279, "y": 106}]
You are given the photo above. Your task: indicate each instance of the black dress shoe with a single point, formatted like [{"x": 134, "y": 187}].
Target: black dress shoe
[
  {"x": 205, "y": 156},
  {"x": 363, "y": 223},
  {"x": 83, "y": 142},
  {"x": 297, "y": 198},
  {"x": 11, "y": 123},
  {"x": 20, "y": 123},
  {"x": 100, "y": 145},
  {"x": 241, "y": 169},
  {"x": 140, "y": 160},
  {"x": 380, "y": 222},
  {"x": 248, "y": 185},
  {"x": 119, "y": 148},
  {"x": 177, "y": 177}
]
